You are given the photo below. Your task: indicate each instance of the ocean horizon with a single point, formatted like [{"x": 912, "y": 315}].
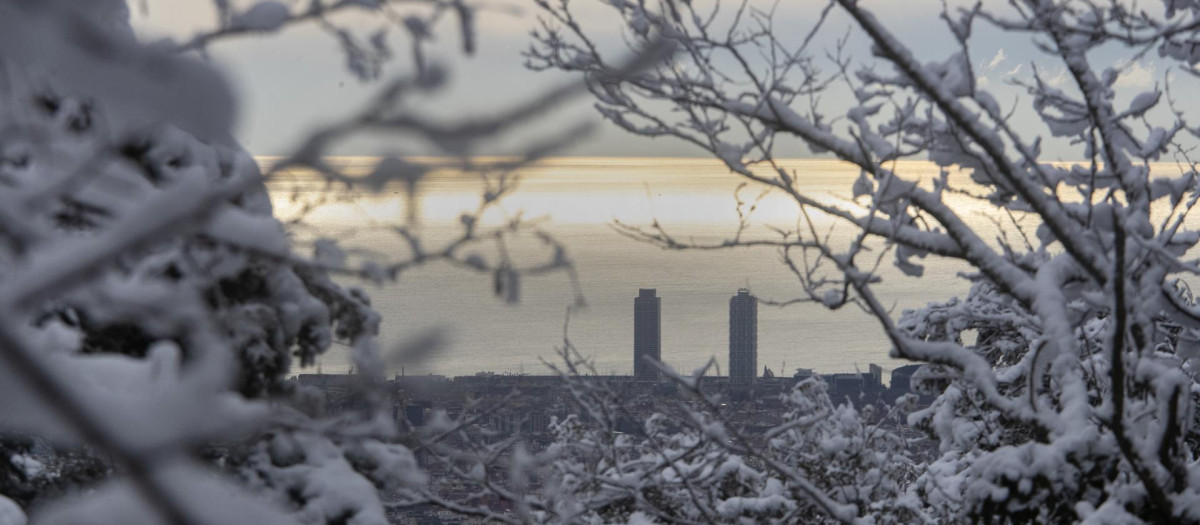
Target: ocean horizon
[{"x": 576, "y": 199}]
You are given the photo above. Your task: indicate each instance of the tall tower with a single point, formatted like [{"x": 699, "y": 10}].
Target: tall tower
[
  {"x": 743, "y": 340},
  {"x": 647, "y": 333}
]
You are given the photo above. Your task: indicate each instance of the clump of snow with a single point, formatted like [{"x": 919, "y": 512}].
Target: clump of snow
[{"x": 11, "y": 513}]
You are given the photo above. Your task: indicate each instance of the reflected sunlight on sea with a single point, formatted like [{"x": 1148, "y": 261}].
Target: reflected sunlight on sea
[{"x": 579, "y": 198}]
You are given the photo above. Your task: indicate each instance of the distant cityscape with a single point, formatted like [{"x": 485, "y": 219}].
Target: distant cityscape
[
  {"x": 743, "y": 352},
  {"x": 743, "y": 339},
  {"x": 509, "y": 404},
  {"x": 742, "y": 383}
]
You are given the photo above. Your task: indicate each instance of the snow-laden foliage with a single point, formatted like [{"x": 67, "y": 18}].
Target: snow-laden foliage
[
  {"x": 696, "y": 459},
  {"x": 1065, "y": 378},
  {"x": 687, "y": 470},
  {"x": 149, "y": 296},
  {"x": 697, "y": 462},
  {"x": 151, "y": 307}
]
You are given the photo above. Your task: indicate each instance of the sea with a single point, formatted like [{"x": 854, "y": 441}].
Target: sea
[{"x": 579, "y": 201}]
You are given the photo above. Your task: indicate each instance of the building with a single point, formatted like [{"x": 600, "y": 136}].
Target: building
[
  {"x": 858, "y": 388},
  {"x": 902, "y": 379},
  {"x": 743, "y": 340},
  {"x": 647, "y": 334}
]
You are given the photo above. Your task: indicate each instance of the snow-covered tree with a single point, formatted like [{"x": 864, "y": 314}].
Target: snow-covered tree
[
  {"x": 151, "y": 307},
  {"x": 692, "y": 463},
  {"x": 1070, "y": 363}
]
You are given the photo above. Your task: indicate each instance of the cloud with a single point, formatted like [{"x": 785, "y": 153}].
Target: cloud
[
  {"x": 998, "y": 59},
  {"x": 1136, "y": 75}
]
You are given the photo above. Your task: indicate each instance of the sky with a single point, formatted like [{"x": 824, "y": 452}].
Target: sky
[{"x": 290, "y": 81}]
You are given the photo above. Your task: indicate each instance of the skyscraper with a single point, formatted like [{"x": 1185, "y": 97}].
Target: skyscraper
[
  {"x": 647, "y": 333},
  {"x": 743, "y": 339}
]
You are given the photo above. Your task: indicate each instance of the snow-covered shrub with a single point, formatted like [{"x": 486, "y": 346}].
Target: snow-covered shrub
[
  {"x": 696, "y": 462},
  {"x": 151, "y": 307},
  {"x": 141, "y": 257}
]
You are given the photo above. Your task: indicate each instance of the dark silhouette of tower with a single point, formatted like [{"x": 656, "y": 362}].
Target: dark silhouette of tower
[
  {"x": 743, "y": 340},
  {"x": 647, "y": 333}
]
